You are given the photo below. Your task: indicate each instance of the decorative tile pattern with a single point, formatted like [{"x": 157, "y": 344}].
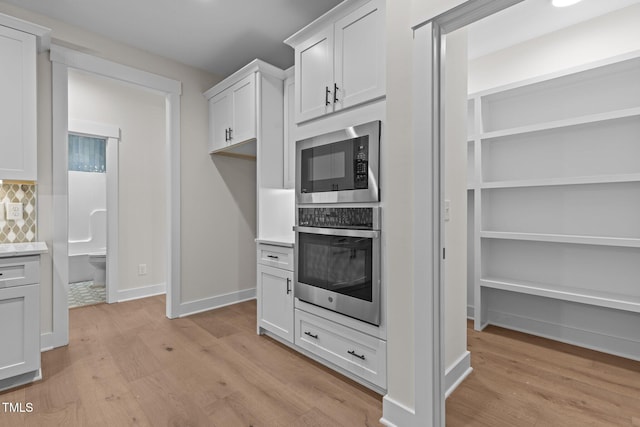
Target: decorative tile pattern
[
  {"x": 22, "y": 230},
  {"x": 86, "y": 293}
]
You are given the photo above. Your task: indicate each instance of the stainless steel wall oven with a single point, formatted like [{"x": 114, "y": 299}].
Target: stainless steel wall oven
[{"x": 338, "y": 260}]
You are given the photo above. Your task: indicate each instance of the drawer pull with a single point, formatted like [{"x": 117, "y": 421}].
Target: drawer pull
[
  {"x": 273, "y": 256},
  {"x": 359, "y": 356},
  {"x": 311, "y": 335}
]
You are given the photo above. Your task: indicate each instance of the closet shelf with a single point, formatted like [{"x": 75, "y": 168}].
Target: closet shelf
[
  {"x": 563, "y": 238},
  {"x": 565, "y": 293},
  {"x": 578, "y": 180},
  {"x": 558, "y": 124}
]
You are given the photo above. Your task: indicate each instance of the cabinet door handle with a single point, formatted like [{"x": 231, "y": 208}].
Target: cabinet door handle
[
  {"x": 335, "y": 93},
  {"x": 359, "y": 356},
  {"x": 230, "y": 134},
  {"x": 311, "y": 335},
  {"x": 226, "y": 134},
  {"x": 327, "y": 92},
  {"x": 288, "y": 286}
]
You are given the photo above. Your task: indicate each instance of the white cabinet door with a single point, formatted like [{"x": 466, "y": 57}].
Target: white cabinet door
[
  {"x": 18, "y": 121},
  {"x": 314, "y": 76},
  {"x": 19, "y": 330},
  {"x": 220, "y": 108},
  {"x": 359, "y": 56},
  {"x": 275, "y": 299},
  {"x": 243, "y": 122},
  {"x": 289, "y": 133}
]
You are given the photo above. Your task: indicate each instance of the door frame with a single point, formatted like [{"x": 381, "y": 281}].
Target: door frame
[
  {"x": 111, "y": 134},
  {"x": 63, "y": 59},
  {"x": 429, "y": 52}
]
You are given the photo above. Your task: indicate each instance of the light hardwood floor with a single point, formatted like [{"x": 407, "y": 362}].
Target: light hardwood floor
[
  {"x": 520, "y": 380},
  {"x": 128, "y": 365}
]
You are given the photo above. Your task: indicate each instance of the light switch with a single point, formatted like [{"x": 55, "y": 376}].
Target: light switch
[
  {"x": 13, "y": 211},
  {"x": 447, "y": 210}
]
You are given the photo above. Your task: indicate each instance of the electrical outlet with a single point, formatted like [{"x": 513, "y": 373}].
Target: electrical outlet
[{"x": 142, "y": 269}]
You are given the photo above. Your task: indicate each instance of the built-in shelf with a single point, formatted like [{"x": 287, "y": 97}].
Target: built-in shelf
[
  {"x": 578, "y": 180},
  {"x": 583, "y": 296},
  {"x": 562, "y": 238},
  {"x": 558, "y": 124},
  {"x": 553, "y": 193}
]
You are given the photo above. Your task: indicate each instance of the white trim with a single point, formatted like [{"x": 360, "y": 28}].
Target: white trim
[
  {"x": 428, "y": 182},
  {"x": 604, "y": 343},
  {"x": 43, "y": 34},
  {"x": 112, "y": 135},
  {"x": 211, "y": 303},
  {"x": 457, "y": 372},
  {"x": 63, "y": 59},
  {"x": 87, "y": 127},
  {"x": 471, "y": 312},
  {"x": 113, "y": 70},
  {"x": 18, "y": 380},
  {"x": 395, "y": 414},
  {"x": 46, "y": 341},
  {"x": 141, "y": 292}
]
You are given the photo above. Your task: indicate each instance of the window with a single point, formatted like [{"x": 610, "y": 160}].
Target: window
[{"x": 87, "y": 154}]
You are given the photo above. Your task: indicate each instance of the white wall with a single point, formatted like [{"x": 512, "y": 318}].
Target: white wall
[
  {"x": 609, "y": 35},
  {"x": 218, "y": 198},
  {"x": 140, "y": 115}
]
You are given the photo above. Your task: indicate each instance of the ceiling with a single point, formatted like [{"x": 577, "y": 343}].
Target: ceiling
[
  {"x": 219, "y": 36},
  {"x": 531, "y": 19}
]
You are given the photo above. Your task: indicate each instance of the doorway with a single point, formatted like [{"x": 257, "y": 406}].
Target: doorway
[
  {"x": 64, "y": 61},
  {"x": 93, "y": 212},
  {"x": 432, "y": 104}
]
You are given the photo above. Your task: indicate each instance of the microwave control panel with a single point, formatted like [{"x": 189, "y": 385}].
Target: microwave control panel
[{"x": 361, "y": 218}]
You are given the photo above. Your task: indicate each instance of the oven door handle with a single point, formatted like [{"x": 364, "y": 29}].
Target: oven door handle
[{"x": 347, "y": 232}]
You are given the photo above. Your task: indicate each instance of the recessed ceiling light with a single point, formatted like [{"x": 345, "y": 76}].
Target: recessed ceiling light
[{"x": 564, "y": 3}]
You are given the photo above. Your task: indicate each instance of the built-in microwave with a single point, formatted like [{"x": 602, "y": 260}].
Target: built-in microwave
[{"x": 339, "y": 167}]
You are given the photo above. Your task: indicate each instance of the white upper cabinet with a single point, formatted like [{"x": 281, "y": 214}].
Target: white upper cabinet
[
  {"x": 340, "y": 59},
  {"x": 359, "y": 70},
  {"x": 232, "y": 115},
  {"x": 220, "y": 110},
  {"x": 314, "y": 72},
  {"x": 18, "y": 120},
  {"x": 243, "y": 120},
  {"x": 289, "y": 133}
]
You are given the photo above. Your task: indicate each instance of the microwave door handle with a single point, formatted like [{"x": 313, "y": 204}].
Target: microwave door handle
[{"x": 346, "y": 232}]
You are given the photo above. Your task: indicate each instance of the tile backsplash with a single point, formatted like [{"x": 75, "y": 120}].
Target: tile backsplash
[{"x": 21, "y": 230}]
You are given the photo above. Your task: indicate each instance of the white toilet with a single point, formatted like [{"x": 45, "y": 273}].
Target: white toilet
[{"x": 99, "y": 262}]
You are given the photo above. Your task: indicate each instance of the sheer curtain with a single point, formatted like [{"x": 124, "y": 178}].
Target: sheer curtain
[{"x": 87, "y": 154}]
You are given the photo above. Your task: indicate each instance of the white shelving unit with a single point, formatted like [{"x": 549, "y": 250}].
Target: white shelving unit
[{"x": 554, "y": 188}]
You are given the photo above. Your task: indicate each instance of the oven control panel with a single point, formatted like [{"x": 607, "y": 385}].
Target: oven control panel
[{"x": 362, "y": 218}]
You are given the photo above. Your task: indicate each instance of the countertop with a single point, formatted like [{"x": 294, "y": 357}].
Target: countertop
[
  {"x": 285, "y": 243},
  {"x": 21, "y": 249}
]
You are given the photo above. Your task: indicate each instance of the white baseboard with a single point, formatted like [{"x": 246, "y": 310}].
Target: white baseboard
[
  {"x": 594, "y": 340},
  {"x": 46, "y": 341},
  {"x": 193, "y": 307},
  {"x": 141, "y": 292},
  {"x": 471, "y": 312},
  {"x": 395, "y": 414},
  {"x": 457, "y": 372}
]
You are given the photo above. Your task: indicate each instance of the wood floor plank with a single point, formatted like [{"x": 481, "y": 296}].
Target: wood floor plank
[{"x": 127, "y": 364}]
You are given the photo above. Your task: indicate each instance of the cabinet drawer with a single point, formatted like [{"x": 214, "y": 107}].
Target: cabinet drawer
[
  {"x": 358, "y": 353},
  {"x": 275, "y": 256},
  {"x": 17, "y": 271}
]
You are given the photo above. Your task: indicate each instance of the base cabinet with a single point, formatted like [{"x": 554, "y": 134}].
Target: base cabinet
[
  {"x": 275, "y": 290},
  {"x": 353, "y": 351}
]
